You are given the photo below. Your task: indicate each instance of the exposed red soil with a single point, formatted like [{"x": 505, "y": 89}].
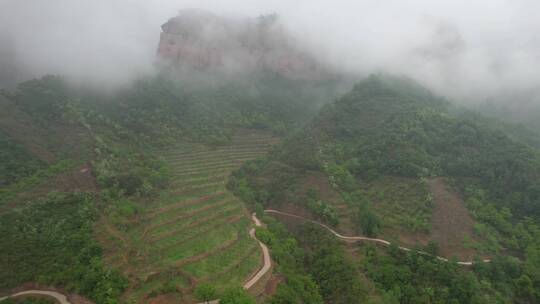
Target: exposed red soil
[
  {"x": 165, "y": 299},
  {"x": 73, "y": 180},
  {"x": 47, "y": 143},
  {"x": 319, "y": 181},
  {"x": 311, "y": 180},
  {"x": 18, "y": 126},
  {"x": 451, "y": 222},
  {"x": 407, "y": 237},
  {"x": 272, "y": 284},
  {"x": 78, "y": 179}
]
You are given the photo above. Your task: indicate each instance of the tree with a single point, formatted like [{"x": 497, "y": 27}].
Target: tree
[
  {"x": 524, "y": 286},
  {"x": 368, "y": 220},
  {"x": 259, "y": 209},
  {"x": 432, "y": 248},
  {"x": 236, "y": 296},
  {"x": 205, "y": 293}
]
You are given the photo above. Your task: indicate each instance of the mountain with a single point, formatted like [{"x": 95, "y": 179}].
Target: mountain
[
  {"x": 519, "y": 107},
  {"x": 390, "y": 159},
  {"x": 146, "y": 193},
  {"x": 197, "y": 40},
  {"x": 120, "y": 195}
]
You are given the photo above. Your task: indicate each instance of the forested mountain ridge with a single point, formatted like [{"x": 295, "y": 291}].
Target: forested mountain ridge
[
  {"x": 380, "y": 128},
  {"x": 382, "y": 149},
  {"x": 446, "y": 145}
]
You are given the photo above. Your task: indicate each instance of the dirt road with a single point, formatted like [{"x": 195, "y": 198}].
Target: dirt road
[
  {"x": 267, "y": 265},
  {"x": 361, "y": 238},
  {"x": 267, "y": 262},
  {"x": 60, "y": 298}
]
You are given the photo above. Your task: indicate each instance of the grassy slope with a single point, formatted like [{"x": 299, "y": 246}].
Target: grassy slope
[
  {"x": 196, "y": 231},
  {"x": 62, "y": 127}
]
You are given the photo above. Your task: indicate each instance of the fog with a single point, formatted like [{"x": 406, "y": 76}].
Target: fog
[{"x": 467, "y": 50}]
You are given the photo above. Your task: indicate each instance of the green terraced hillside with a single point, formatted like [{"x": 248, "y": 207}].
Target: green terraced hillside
[{"x": 197, "y": 231}]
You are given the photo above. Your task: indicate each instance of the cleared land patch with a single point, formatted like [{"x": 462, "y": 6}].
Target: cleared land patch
[
  {"x": 196, "y": 231},
  {"x": 452, "y": 225}
]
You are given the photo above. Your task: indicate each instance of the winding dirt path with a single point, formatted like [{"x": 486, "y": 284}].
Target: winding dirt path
[
  {"x": 267, "y": 266},
  {"x": 60, "y": 298},
  {"x": 267, "y": 262},
  {"x": 362, "y": 238}
]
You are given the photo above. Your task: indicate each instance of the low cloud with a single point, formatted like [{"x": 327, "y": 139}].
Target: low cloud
[{"x": 467, "y": 50}]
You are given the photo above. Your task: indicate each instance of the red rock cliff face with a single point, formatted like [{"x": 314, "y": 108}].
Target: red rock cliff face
[{"x": 202, "y": 41}]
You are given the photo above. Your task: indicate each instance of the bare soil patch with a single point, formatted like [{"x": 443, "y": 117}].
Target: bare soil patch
[
  {"x": 272, "y": 284},
  {"x": 318, "y": 181},
  {"x": 405, "y": 237},
  {"x": 76, "y": 179},
  {"x": 451, "y": 222},
  {"x": 165, "y": 299},
  {"x": 56, "y": 140}
]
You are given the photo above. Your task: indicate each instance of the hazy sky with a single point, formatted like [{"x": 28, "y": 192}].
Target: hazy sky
[{"x": 458, "y": 47}]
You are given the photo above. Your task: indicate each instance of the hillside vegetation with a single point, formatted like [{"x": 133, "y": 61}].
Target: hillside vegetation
[
  {"x": 378, "y": 146},
  {"x": 158, "y": 144},
  {"x": 195, "y": 232},
  {"x": 51, "y": 242},
  {"x": 137, "y": 195},
  {"x": 50, "y": 121}
]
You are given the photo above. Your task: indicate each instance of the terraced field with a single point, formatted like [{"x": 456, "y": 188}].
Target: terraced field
[{"x": 197, "y": 231}]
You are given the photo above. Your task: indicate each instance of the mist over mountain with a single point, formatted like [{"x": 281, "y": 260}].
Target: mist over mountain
[
  {"x": 270, "y": 152},
  {"x": 198, "y": 40},
  {"x": 469, "y": 51}
]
